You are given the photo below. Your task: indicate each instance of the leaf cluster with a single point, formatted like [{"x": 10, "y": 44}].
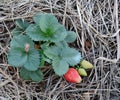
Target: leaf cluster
[{"x": 53, "y": 39}]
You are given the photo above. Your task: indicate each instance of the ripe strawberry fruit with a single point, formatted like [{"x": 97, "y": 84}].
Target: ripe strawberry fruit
[{"x": 72, "y": 76}]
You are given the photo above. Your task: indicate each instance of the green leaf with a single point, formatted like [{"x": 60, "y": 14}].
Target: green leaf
[
  {"x": 22, "y": 24},
  {"x": 30, "y": 60},
  {"x": 47, "y": 22},
  {"x": 43, "y": 58},
  {"x": 25, "y": 74},
  {"x": 33, "y": 60},
  {"x": 60, "y": 66},
  {"x": 36, "y": 76},
  {"x": 35, "y": 33},
  {"x": 47, "y": 28},
  {"x": 71, "y": 56},
  {"x": 20, "y": 41},
  {"x": 71, "y": 36},
  {"x": 45, "y": 45},
  {"x": 62, "y": 44},
  {"x": 17, "y": 57},
  {"x": 21, "y": 27},
  {"x": 62, "y": 57},
  {"x": 17, "y": 31},
  {"x": 37, "y": 18},
  {"x": 42, "y": 62},
  {"x": 60, "y": 34},
  {"x": 52, "y": 52}
]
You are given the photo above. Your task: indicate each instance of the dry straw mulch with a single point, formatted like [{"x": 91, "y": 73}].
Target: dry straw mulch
[{"x": 97, "y": 24}]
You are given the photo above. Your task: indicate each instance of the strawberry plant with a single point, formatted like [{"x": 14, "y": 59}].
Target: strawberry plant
[{"x": 53, "y": 40}]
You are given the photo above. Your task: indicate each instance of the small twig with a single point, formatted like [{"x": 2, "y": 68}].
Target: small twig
[
  {"x": 4, "y": 83},
  {"x": 64, "y": 17}
]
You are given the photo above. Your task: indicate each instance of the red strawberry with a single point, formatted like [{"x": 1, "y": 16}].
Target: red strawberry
[{"x": 72, "y": 76}]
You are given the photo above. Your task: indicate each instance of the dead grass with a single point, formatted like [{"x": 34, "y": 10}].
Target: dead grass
[{"x": 97, "y": 24}]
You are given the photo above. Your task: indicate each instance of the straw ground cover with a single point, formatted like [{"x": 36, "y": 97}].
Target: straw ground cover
[{"x": 97, "y": 24}]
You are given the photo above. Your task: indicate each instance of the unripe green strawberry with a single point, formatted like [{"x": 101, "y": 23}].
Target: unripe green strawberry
[
  {"x": 86, "y": 65},
  {"x": 82, "y": 72},
  {"x": 72, "y": 76}
]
